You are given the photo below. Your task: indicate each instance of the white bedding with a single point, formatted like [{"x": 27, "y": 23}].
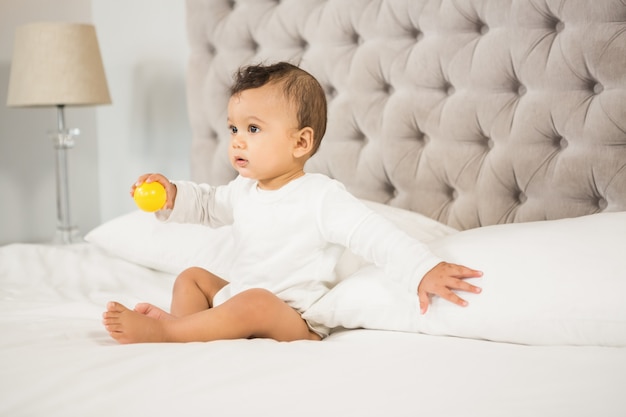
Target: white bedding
[{"x": 57, "y": 360}]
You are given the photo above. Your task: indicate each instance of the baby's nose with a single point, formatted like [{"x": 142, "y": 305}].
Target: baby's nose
[{"x": 237, "y": 143}]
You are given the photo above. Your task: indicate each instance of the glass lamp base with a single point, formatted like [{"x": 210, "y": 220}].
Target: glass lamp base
[{"x": 66, "y": 236}]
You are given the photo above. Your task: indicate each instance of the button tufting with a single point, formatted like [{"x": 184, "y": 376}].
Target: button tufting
[
  {"x": 489, "y": 143},
  {"x": 602, "y": 203},
  {"x": 210, "y": 48},
  {"x": 454, "y": 194},
  {"x": 417, "y": 34},
  {"x": 388, "y": 88},
  {"x": 330, "y": 91},
  {"x": 559, "y": 26},
  {"x": 483, "y": 29},
  {"x": 598, "y": 88},
  {"x": 449, "y": 89},
  {"x": 562, "y": 142},
  {"x": 420, "y": 137},
  {"x": 521, "y": 197},
  {"x": 521, "y": 90}
]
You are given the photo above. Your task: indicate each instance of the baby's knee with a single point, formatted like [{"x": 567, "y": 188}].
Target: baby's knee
[
  {"x": 258, "y": 296},
  {"x": 257, "y": 301},
  {"x": 189, "y": 276},
  {"x": 193, "y": 271}
]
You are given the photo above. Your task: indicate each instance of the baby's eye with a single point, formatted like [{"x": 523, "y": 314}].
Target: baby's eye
[
  {"x": 233, "y": 129},
  {"x": 253, "y": 129}
]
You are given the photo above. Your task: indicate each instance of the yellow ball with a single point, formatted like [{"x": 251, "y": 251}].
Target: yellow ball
[{"x": 150, "y": 196}]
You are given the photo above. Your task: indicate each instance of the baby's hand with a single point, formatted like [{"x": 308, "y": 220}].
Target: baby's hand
[
  {"x": 444, "y": 278},
  {"x": 170, "y": 189}
]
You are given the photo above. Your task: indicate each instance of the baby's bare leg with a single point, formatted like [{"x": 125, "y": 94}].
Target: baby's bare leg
[
  {"x": 153, "y": 311},
  {"x": 194, "y": 290},
  {"x": 252, "y": 313}
]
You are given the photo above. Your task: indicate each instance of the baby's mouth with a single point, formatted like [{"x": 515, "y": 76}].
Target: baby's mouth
[{"x": 240, "y": 162}]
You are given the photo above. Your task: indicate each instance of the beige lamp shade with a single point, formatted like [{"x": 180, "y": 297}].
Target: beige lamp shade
[{"x": 57, "y": 64}]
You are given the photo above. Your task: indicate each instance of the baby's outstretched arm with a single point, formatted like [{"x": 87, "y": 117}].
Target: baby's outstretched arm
[{"x": 444, "y": 278}]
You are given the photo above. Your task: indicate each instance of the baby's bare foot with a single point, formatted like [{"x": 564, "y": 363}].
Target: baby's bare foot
[
  {"x": 153, "y": 311},
  {"x": 129, "y": 326}
]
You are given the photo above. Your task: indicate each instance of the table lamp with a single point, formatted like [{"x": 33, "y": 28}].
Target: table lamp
[{"x": 58, "y": 64}]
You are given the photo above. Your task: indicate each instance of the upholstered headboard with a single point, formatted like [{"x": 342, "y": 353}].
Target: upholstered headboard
[{"x": 472, "y": 112}]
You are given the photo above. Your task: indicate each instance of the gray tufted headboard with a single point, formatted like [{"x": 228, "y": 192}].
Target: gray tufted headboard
[{"x": 472, "y": 112}]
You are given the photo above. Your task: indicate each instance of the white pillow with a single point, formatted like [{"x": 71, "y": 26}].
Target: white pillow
[
  {"x": 545, "y": 283},
  {"x": 140, "y": 238},
  {"x": 172, "y": 247}
]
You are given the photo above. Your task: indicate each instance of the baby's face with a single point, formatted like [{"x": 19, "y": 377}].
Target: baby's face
[{"x": 263, "y": 136}]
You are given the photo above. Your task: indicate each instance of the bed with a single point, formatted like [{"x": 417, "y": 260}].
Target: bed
[{"x": 494, "y": 131}]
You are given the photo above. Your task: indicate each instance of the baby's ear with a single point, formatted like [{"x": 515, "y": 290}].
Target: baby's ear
[{"x": 304, "y": 142}]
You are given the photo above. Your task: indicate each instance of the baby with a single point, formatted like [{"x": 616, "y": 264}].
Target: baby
[{"x": 289, "y": 227}]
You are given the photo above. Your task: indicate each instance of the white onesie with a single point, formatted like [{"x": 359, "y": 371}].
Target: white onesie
[{"x": 289, "y": 240}]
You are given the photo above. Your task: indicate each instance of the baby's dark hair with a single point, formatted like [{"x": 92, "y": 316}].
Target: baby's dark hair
[{"x": 299, "y": 87}]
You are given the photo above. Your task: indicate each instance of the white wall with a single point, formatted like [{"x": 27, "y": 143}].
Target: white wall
[{"x": 144, "y": 49}]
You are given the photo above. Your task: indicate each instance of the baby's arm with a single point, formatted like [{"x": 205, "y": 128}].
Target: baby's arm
[
  {"x": 170, "y": 189},
  {"x": 348, "y": 221},
  {"x": 444, "y": 278},
  {"x": 404, "y": 258}
]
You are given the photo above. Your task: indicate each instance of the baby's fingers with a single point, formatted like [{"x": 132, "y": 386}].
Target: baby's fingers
[
  {"x": 457, "y": 274},
  {"x": 140, "y": 180},
  {"x": 452, "y": 297},
  {"x": 460, "y": 284},
  {"x": 460, "y": 271},
  {"x": 444, "y": 292},
  {"x": 424, "y": 299},
  {"x": 457, "y": 284}
]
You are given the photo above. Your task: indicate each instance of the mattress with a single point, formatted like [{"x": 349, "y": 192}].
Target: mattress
[{"x": 56, "y": 359}]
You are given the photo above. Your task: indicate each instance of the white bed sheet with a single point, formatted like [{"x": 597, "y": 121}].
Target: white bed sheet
[{"x": 57, "y": 360}]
